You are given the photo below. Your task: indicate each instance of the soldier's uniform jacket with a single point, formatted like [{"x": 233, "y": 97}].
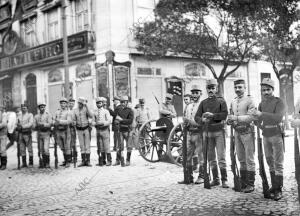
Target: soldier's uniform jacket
[
  {"x": 114, "y": 114},
  {"x": 64, "y": 118},
  {"x": 81, "y": 117},
  {"x": 167, "y": 110},
  {"x": 45, "y": 119},
  {"x": 142, "y": 115},
  {"x": 218, "y": 107},
  {"x": 241, "y": 106},
  {"x": 190, "y": 113},
  {"x": 3, "y": 124},
  {"x": 127, "y": 116},
  {"x": 272, "y": 114},
  {"x": 103, "y": 117},
  {"x": 26, "y": 121}
]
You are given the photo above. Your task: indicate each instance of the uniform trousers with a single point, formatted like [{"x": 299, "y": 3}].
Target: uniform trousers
[
  {"x": 3, "y": 141},
  {"x": 84, "y": 141},
  {"x": 25, "y": 140},
  {"x": 194, "y": 142},
  {"x": 245, "y": 149},
  {"x": 63, "y": 140},
  {"x": 103, "y": 140},
  {"x": 44, "y": 141}
]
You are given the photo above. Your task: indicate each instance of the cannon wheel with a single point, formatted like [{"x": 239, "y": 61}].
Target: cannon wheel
[
  {"x": 152, "y": 140},
  {"x": 174, "y": 147}
]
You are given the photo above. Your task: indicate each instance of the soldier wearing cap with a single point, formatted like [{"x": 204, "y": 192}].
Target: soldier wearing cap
[
  {"x": 102, "y": 120},
  {"x": 123, "y": 120},
  {"x": 241, "y": 120},
  {"x": 73, "y": 134},
  {"x": 167, "y": 109},
  {"x": 270, "y": 114},
  {"x": 211, "y": 113},
  {"x": 3, "y": 139},
  {"x": 62, "y": 120},
  {"x": 24, "y": 127},
  {"x": 82, "y": 114},
  {"x": 42, "y": 123},
  {"x": 194, "y": 136}
]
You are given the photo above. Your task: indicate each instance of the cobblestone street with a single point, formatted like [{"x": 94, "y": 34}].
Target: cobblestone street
[{"x": 141, "y": 189}]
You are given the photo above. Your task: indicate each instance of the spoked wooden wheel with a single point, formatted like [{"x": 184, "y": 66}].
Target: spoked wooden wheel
[
  {"x": 174, "y": 147},
  {"x": 152, "y": 141}
]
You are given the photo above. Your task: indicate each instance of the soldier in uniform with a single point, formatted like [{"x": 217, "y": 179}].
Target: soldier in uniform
[
  {"x": 81, "y": 119},
  {"x": 71, "y": 105},
  {"x": 24, "y": 127},
  {"x": 270, "y": 114},
  {"x": 211, "y": 112},
  {"x": 3, "y": 139},
  {"x": 102, "y": 120},
  {"x": 167, "y": 110},
  {"x": 62, "y": 120},
  {"x": 117, "y": 107},
  {"x": 124, "y": 118},
  {"x": 194, "y": 136},
  {"x": 241, "y": 121},
  {"x": 42, "y": 123}
]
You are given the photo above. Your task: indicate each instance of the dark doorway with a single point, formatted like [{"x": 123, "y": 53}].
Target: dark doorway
[{"x": 31, "y": 97}]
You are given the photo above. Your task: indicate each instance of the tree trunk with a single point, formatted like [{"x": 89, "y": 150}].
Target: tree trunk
[{"x": 221, "y": 87}]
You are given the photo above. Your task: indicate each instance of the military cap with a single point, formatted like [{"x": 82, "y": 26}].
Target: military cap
[
  {"x": 71, "y": 100},
  {"x": 239, "y": 81},
  {"x": 104, "y": 99},
  {"x": 124, "y": 98},
  {"x": 63, "y": 100},
  {"x": 170, "y": 96},
  {"x": 268, "y": 82},
  {"x": 211, "y": 82},
  {"x": 195, "y": 88},
  {"x": 81, "y": 100},
  {"x": 41, "y": 104},
  {"x": 99, "y": 99},
  {"x": 116, "y": 98},
  {"x": 142, "y": 100}
]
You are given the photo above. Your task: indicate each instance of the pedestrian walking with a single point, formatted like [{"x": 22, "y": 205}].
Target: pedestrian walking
[
  {"x": 123, "y": 120},
  {"x": 3, "y": 139},
  {"x": 270, "y": 114},
  {"x": 102, "y": 120},
  {"x": 211, "y": 113},
  {"x": 24, "y": 128},
  {"x": 167, "y": 109},
  {"x": 42, "y": 124},
  {"x": 82, "y": 114},
  {"x": 241, "y": 121},
  {"x": 62, "y": 120}
]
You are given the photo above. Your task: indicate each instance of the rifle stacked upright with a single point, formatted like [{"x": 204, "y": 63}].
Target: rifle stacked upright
[
  {"x": 205, "y": 149},
  {"x": 18, "y": 145},
  {"x": 55, "y": 147}
]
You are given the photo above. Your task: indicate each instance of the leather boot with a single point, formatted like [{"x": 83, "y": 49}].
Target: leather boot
[
  {"x": 42, "y": 162},
  {"x": 200, "y": 178},
  {"x": 128, "y": 158},
  {"x": 47, "y": 164},
  {"x": 0, "y": 161},
  {"x": 122, "y": 161},
  {"x": 100, "y": 161},
  {"x": 3, "y": 163},
  {"x": 243, "y": 174},
  {"x": 195, "y": 163},
  {"x": 30, "y": 161},
  {"x": 64, "y": 162},
  {"x": 24, "y": 163},
  {"x": 278, "y": 190},
  {"x": 103, "y": 155},
  {"x": 82, "y": 160},
  {"x": 251, "y": 180},
  {"x": 224, "y": 178},
  {"x": 75, "y": 156},
  {"x": 216, "y": 180},
  {"x": 108, "y": 159},
  {"x": 118, "y": 158},
  {"x": 273, "y": 187},
  {"x": 88, "y": 162},
  {"x": 68, "y": 157},
  {"x": 190, "y": 179}
]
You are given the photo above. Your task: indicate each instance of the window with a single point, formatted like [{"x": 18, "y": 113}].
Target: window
[
  {"x": 53, "y": 30},
  {"x": 28, "y": 31},
  {"x": 195, "y": 70},
  {"x": 149, "y": 71},
  {"x": 81, "y": 11},
  {"x": 235, "y": 74}
]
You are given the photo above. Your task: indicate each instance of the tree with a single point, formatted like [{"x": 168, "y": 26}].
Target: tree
[{"x": 206, "y": 30}]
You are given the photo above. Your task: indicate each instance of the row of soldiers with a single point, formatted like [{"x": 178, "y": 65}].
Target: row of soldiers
[
  {"x": 68, "y": 123},
  {"x": 204, "y": 120}
]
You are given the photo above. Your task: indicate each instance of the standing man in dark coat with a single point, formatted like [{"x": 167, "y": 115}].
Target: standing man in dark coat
[
  {"x": 270, "y": 114},
  {"x": 211, "y": 113},
  {"x": 117, "y": 107}
]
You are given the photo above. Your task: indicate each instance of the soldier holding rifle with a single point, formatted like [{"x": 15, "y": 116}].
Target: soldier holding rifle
[
  {"x": 167, "y": 110},
  {"x": 243, "y": 136},
  {"x": 42, "y": 123},
  {"x": 194, "y": 136},
  {"x": 270, "y": 114},
  {"x": 212, "y": 112}
]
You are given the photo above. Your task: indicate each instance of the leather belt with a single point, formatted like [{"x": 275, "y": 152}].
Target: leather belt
[
  {"x": 271, "y": 126},
  {"x": 82, "y": 128}
]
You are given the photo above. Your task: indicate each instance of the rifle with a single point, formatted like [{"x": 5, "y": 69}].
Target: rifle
[
  {"x": 155, "y": 98},
  {"x": 184, "y": 156},
  {"x": 234, "y": 168},
  {"x": 18, "y": 145},
  {"x": 41, "y": 162},
  {"x": 55, "y": 147},
  {"x": 297, "y": 160},
  {"x": 205, "y": 147},
  {"x": 75, "y": 152},
  {"x": 262, "y": 171}
]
